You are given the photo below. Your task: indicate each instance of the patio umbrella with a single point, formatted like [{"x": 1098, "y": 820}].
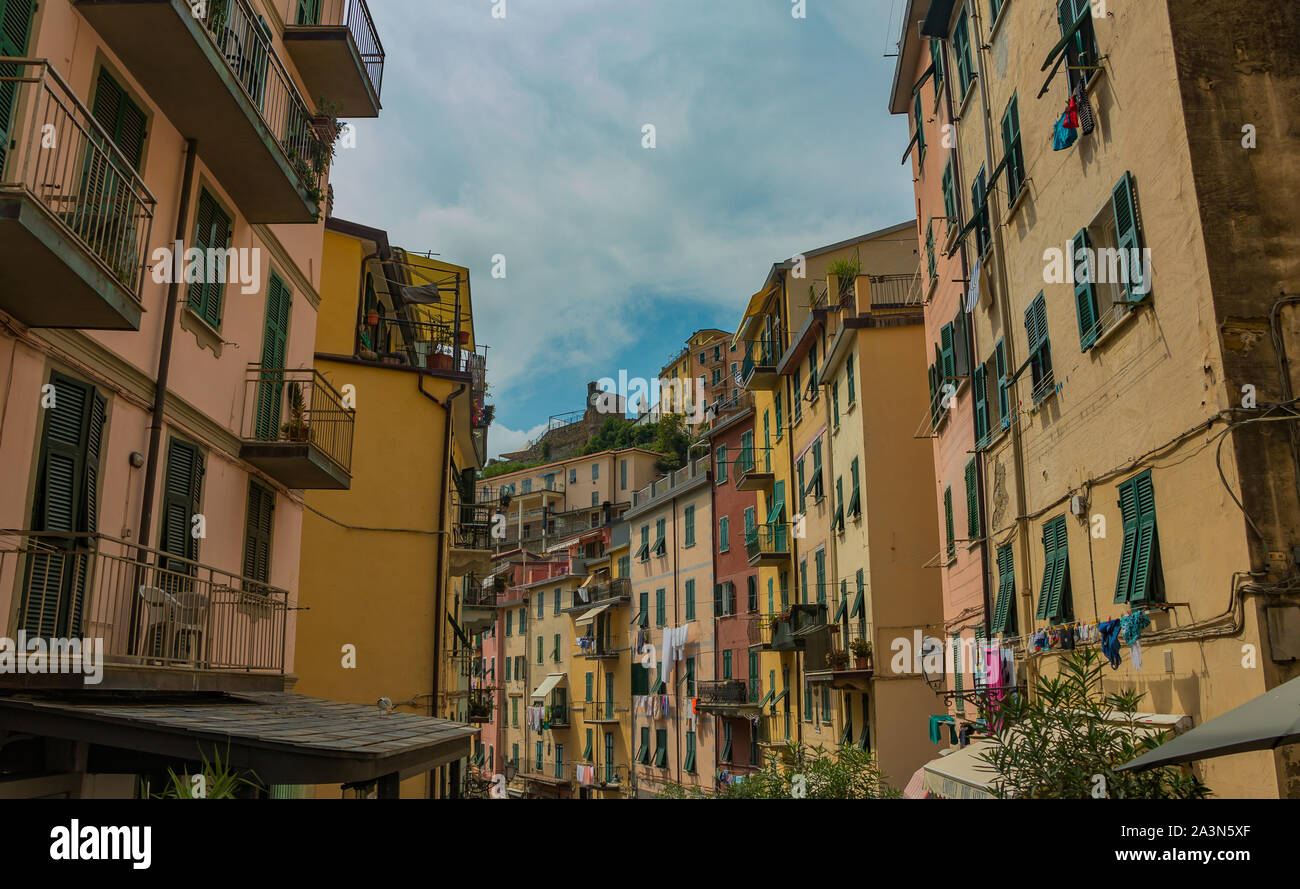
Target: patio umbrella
[{"x": 1270, "y": 720}]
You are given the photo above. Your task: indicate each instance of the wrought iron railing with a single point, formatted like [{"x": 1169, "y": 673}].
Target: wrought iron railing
[
  {"x": 356, "y": 15},
  {"x": 896, "y": 291},
  {"x": 297, "y": 406},
  {"x": 603, "y": 711},
  {"x": 752, "y": 459},
  {"x": 767, "y": 539},
  {"x": 758, "y": 354},
  {"x": 471, "y": 522},
  {"x": 730, "y": 692},
  {"x": 596, "y": 593},
  {"x": 145, "y": 606},
  {"x": 68, "y": 163},
  {"x": 243, "y": 39}
]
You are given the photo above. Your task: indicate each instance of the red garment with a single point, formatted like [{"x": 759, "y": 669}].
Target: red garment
[{"x": 1072, "y": 115}]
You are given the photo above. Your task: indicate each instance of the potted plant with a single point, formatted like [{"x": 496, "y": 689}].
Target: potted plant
[
  {"x": 296, "y": 427},
  {"x": 837, "y": 659},
  {"x": 861, "y": 649},
  {"x": 372, "y": 318},
  {"x": 463, "y": 336},
  {"x": 841, "y": 276}
]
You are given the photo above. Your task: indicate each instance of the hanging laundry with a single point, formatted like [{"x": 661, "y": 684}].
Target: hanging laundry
[
  {"x": 1063, "y": 137},
  {"x": 1131, "y": 627},
  {"x": 1110, "y": 642},
  {"x": 1071, "y": 117},
  {"x": 1080, "y": 99}
]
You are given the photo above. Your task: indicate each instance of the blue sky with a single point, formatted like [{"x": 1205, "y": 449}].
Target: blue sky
[{"x": 522, "y": 136}]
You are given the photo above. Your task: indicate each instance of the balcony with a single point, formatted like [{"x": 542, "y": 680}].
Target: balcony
[
  {"x": 75, "y": 218},
  {"x": 296, "y": 429},
  {"x": 480, "y": 705},
  {"x": 618, "y": 589},
  {"x": 776, "y": 634},
  {"x": 213, "y": 71},
  {"x": 730, "y": 695},
  {"x": 338, "y": 55},
  {"x": 161, "y": 622},
  {"x": 597, "y": 647},
  {"x": 768, "y": 545},
  {"x": 478, "y": 604},
  {"x": 471, "y": 535},
  {"x": 758, "y": 368},
  {"x": 603, "y": 711},
  {"x": 752, "y": 469}
]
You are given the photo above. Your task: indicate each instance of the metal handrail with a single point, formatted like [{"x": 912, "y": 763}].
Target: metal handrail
[
  {"x": 145, "y": 605},
  {"x": 73, "y": 168},
  {"x": 298, "y": 406}
]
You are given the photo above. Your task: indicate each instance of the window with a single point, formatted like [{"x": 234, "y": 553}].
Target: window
[
  {"x": 961, "y": 49},
  {"x": 920, "y": 128},
  {"x": 541, "y": 603},
  {"x": 808, "y": 709},
  {"x": 726, "y": 663},
  {"x": 751, "y": 593},
  {"x": 559, "y": 760},
  {"x": 1108, "y": 265},
  {"x": 212, "y": 231},
  {"x": 587, "y": 752},
  {"x": 803, "y": 581},
  {"x": 815, "y": 483},
  {"x": 949, "y": 197},
  {"x": 507, "y": 669},
  {"x": 690, "y": 600},
  {"x": 624, "y": 566},
  {"x": 661, "y": 748},
  {"x": 826, "y": 704},
  {"x": 182, "y": 492},
  {"x": 820, "y": 559},
  {"x": 540, "y": 657},
  {"x": 837, "y": 522},
  {"x": 950, "y": 535},
  {"x": 555, "y": 652},
  {"x": 609, "y": 757},
  {"x": 643, "y": 552},
  {"x": 573, "y": 476},
  {"x": 690, "y": 677},
  {"x": 717, "y": 353},
  {"x": 1004, "y": 615},
  {"x": 803, "y": 488},
  {"x": 523, "y": 621},
  {"x": 1040, "y": 348},
  {"x": 257, "y": 532},
  {"x": 1054, "y": 595},
  {"x": 726, "y": 741},
  {"x": 835, "y": 402},
  {"x": 1081, "y": 47},
  {"x": 702, "y": 357},
  {"x": 661, "y": 539},
  {"x": 510, "y": 622},
  {"x": 514, "y": 721},
  {"x": 776, "y": 399},
  {"x": 957, "y": 675},
  {"x": 661, "y": 608},
  {"x": 643, "y": 749},
  {"x": 796, "y": 400},
  {"x": 972, "y": 501},
  {"x": 979, "y": 196},
  {"x": 722, "y": 464},
  {"x": 690, "y": 526},
  {"x": 528, "y": 485},
  {"x": 555, "y": 607},
  {"x": 1140, "y": 579},
  {"x": 753, "y": 676},
  {"x": 724, "y": 534},
  {"x": 645, "y": 610},
  {"x": 1012, "y": 149},
  {"x": 539, "y": 757},
  {"x": 125, "y": 122},
  {"x": 855, "y": 499},
  {"x": 689, "y": 764}
]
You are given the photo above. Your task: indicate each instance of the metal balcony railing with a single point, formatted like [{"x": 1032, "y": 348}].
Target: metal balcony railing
[
  {"x": 752, "y": 459},
  {"x": 896, "y": 291},
  {"x": 730, "y": 692},
  {"x": 475, "y": 595},
  {"x": 758, "y": 354},
  {"x": 596, "y": 593},
  {"x": 147, "y": 607},
  {"x": 355, "y": 14},
  {"x": 297, "y": 406},
  {"x": 767, "y": 539},
  {"x": 243, "y": 39},
  {"x": 66, "y": 162},
  {"x": 603, "y": 711},
  {"x": 471, "y": 521}
]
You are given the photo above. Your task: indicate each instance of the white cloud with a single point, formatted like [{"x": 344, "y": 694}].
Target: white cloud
[{"x": 502, "y": 440}]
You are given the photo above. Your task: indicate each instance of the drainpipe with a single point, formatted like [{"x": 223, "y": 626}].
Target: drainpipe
[
  {"x": 164, "y": 368},
  {"x": 1004, "y": 301},
  {"x": 439, "y": 611}
]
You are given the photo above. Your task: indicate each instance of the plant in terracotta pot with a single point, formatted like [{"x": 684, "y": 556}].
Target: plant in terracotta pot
[
  {"x": 837, "y": 659},
  {"x": 845, "y": 272},
  {"x": 861, "y": 649}
]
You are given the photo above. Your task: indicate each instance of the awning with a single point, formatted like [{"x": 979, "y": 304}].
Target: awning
[
  {"x": 548, "y": 684},
  {"x": 589, "y": 616},
  {"x": 1267, "y": 722},
  {"x": 753, "y": 308},
  {"x": 962, "y": 774},
  {"x": 284, "y": 738}
]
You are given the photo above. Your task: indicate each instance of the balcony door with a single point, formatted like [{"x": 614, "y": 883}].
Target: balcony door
[
  {"x": 15, "y": 28},
  {"x": 308, "y": 12},
  {"x": 65, "y": 503},
  {"x": 270, "y": 390}
]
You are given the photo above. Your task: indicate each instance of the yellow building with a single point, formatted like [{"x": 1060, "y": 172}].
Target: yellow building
[
  {"x": 383, "y": 563},
  {"x": 1130, "y": 340},
  {"x": 783, "y": 342}
]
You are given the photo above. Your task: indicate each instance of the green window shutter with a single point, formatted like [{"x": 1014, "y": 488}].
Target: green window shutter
[
  {"x": 949, "y": 528},
  {"x": 309, "y": 12},
  {"x": 1004, "y": 615},
  {"x": 848, "y": 369},
  {"x": 978, "y": 385},
  {"x": 122, "y": 119},
  {"x": 556, "y": 651},
  {"x": 920, "y": 126},
  {"x": 960, "y": 345},
  {"x": 803, "y": 491},
  {"x": 1146, "y": 555},
  {"x": 690, "y": 600},
  {"x": 540, "y": 654},
  {"x": 1012, "y": 148},
  {"x": 726, "y": 663},
  {"x": 949, "y": 196},
  {"x": 591, "y": 680},
  {"x": 510, "y": 622},
  {"x": 936, "y": 58},
  {"x": 690, "y": 526},
  {"x": 722, "y": 464},
  {"x": 15, "y": 28},
  {"x": 972, "y": 501},
  {"x": 961, "y": 48},
  {"x": 257, "y": 533},
  {"x": 947, "y": 353},
  {"x": 1128, "y": 233},
  {"x": 1129, "y": 509},
  {"x": 724, "y": 534},
  {"x": 661, "y": 748},
  {"x": 275, "y": 335},
  {"x": 1055, "y": 571},
  {"x": 1085, "y": 292},
  {"x": 586, "y": 752},
  {"x": 211, "y": 231},
  {"x": 182, "y": 493},
  {"x": 1039, "y": 343},
  {"x": 958, "y": 678}
]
